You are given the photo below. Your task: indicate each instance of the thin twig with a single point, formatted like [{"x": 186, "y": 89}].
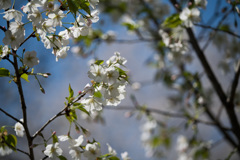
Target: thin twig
[
  {"x": 166, "y": 113},
  {"x": 57, "y": 115},
  {"x": 27, "y": 38},
  {"x": 3, "y": 28},
  {"x": 9, "y": 115},
  {"x": 9, "y": 145},
  {"x": 217, "y": 29}
]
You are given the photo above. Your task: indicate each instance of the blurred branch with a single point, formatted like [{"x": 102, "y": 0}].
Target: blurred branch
[
  {"x": 217, "y": 29},
  {"x": 166, "y": 113},
  {"x": 216, "y": 85},
  {"x": 234, "y": 84},
  {"x": 219, "y": 24},
  {"x": 9, "y": 115}
]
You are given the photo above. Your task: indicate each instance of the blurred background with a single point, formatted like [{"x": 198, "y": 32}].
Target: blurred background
[{"x": 121, "y": 127}]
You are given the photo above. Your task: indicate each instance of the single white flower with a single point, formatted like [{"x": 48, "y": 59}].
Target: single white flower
[
  {"x": 12, "y": 13},
  {"x": 188, "y": 16},
  {"x": 56, "y": 17},
  {"x": 92, "y": 104},
  {"x": 5, "y": 51},
  {"x": 124, "y": 156},
  {"x": 35, "y": 17},
  {"x": 63, "y": 138},
  {"x": 116, "y": 59},
  {"x": 5, "y": 150},
  {"x": 182, "y": 143},
  {"x": 17, "y": 28},
  {"x": 12, "y": 39},
  {"x": 165, "y": 37},
  {"x": 111, "y": 151},
  {"x": 62, "y": 52},
  {"x": 19, "y": 129},
  {"x": 89, "y": 89},
  {"x": 111, "y": 75},
  {"x": 47, "y": 26},
  {"x": 5, "y": 4},
  {"x": 97, "y": 73},
  {"x": 109, "y": 37},
  {"x": 92, "y": 151},
  {"x": 53, "y": 150},
  {"x": 76, "y": 142},
  {"x": 75, "y": 153},
  {"x": 30, "y": 59}
]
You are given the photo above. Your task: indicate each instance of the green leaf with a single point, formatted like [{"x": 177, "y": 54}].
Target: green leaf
[
  {"x": 122, "y": 73},
  {"x": 11, "y": 140},
  {"x": 224, "y": 27},
  {"x": 71, "y": 93},
  {"x": 81, "y": 108},
  {"x": 85, "y": 6},
  {"x": 4, "y": 72},
  {"x": 98, "y": 62},
  {"x": 55, "y": 139},
  {"x": 113, "y": 158},
  {"x": 173, "y": 21},
  {"x": 62, "y": 158},
  {"x": 130, "y": 26},
  {"x": 97, "y": 94},
  {"x": 25, "y": 77},
  {"x": 72, "y": 7}
]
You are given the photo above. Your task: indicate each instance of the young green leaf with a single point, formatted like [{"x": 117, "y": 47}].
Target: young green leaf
[
  {"x": 4, "y": 72},
  {"x": 25, "y": 77}
]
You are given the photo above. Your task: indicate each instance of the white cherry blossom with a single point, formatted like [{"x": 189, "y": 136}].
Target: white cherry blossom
[
  {"x": 19, "y": 129},
  {"x": 5, "y": 4},
  {"x": 12, "y": 39},
  {"x": 13, "y": 14},
  {"x": 92, "y": 151},
  {"x": 5, "y": 51},
  {"x": 92, "y": 104},
  {"x": 5, "y": 150},
  {"x": 97, "y": 73},
  {"x": 62, "y": 52},
  {"x": 56, "y": 17},
  {"x": 188, "y": 16},
  {"x": 125, "y": 156},
  {"x": 111, "y": 151},
  {"x": 53, "y": 150},
  {"x": 30, "y": 59}
]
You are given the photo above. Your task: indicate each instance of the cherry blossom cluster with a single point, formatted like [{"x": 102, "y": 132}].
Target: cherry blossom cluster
[
  {"x": 176, "y": 41},
  {"x": 45, "y": 16},
  {"x": 108, "y": 83},
  {"x": 149, "y": 129},
  {"x": 187, "y": 151},
  {"x": 77, "y": 149}
]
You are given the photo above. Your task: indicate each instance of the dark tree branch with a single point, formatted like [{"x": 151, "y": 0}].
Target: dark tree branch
[
  {"x": 234, "y": 84},
  {"x": 23, "y": 105},
  {"x": 9, "y": 115}
]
